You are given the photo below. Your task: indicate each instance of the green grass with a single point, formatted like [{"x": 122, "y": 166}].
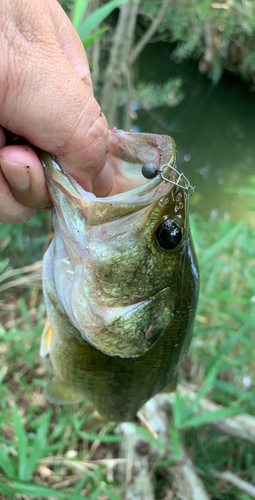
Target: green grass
[{"x": 43, "y": 448}]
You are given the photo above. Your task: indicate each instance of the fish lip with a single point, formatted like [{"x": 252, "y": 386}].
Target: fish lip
[
  {"x": 162, "y": 151},
  {"x": 98, "y": 210},
  {"x": 55, "y": 172}
]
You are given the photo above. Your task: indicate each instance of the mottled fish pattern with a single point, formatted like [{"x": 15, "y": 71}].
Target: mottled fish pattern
[{"x": 120, "y": 280}]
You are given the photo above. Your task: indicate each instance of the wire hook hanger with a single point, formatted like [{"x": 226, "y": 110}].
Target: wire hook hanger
[{"x": 181, "y": 177}]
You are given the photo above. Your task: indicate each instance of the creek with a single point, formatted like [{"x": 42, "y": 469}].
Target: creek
[{"x": 214, "y": 129}]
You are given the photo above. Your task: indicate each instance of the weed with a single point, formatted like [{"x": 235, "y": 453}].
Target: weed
[{"x": 45, "y": 451}]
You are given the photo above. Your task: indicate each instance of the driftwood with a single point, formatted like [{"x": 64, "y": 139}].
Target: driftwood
[
  {"x": 240, "y": 426},
  {"x": 236, "y": 481},
  {"x": 143, "y": 456}
]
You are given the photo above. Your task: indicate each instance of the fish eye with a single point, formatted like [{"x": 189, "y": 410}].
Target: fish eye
[{"x": 168, "y": 235}]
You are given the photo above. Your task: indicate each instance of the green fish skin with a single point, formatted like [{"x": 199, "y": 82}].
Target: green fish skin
[{"x": 120, "y": 280}]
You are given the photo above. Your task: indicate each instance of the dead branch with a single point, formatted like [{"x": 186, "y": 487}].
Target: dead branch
[
  {"x": 32, "y": 276},
  {"x": 212, "y": 42},
  {"x": 21, "y": 270},
  {"x": 149, "y": 32},
  {"x": 118, "y": 62},
  {"x": 240, "y": 426},
  {"x": 185, "y": 481},
  {"x": 136, "y": 472},
  {"x": 33, "y": 279},
  {"x": 236, "y": 481},
  {"x": 142, "y": 457}
]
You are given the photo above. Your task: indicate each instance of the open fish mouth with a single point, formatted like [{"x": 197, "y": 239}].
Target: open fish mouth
[
  {"x": 115, "y": 284},
  {"x": 127, "y": 153}
]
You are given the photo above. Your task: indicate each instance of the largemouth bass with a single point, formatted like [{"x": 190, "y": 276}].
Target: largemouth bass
[{"x": 120, "y": 279}]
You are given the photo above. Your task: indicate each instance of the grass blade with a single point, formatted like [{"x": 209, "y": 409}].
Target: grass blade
[
  {"x": 39, "y": 444},
  {"x": 216, "y": 247},
  {"x": 210, "y": 416},
  {"x": 110, "y": 493},
  {"x": 25, "y": 313},
  {"x": 93, "y": 37},
  {"x": 241, "y": 190},
  {"x": 175, "y": 441},
  {"x": 230, "y": 342},
  {"x": 242, "y": 316},
  {"x": 203, "y": 391},
  {"x": 79, "y": 9},
  {"x": 97, "y": 17},
  {"x": 22, "y": 444},
  {"x": 146, "y": 435},
  {"x": 226, "y": 296},
  {"x": 27, "y": 488},
  {"x": 74, "y": 496},
  {"x": 179, "y": 408},
  {"x": 6, "y": 463}
]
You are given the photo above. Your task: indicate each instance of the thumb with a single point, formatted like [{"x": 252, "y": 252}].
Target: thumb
[{"x": 45, "y": 90}]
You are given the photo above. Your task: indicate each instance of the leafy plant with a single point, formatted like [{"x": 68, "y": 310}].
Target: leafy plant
[
  {"x": 30, "y": 448},
  {"x": 221, "y": 357},
  {"x": 221, "y": 31},
  {"x": 86, "y": 26}
]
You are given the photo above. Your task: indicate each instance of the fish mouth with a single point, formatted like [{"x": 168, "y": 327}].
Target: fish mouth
[{"x": 127, "y": 152}]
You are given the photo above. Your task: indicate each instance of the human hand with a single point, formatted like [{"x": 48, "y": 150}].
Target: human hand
[{"x": 46, "y": 97}]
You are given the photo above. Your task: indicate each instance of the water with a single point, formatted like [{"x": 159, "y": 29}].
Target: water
[{"x": 214, "y": 129}]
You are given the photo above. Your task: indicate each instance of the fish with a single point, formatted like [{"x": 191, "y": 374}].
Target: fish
[{"x": 120, "y": 279}]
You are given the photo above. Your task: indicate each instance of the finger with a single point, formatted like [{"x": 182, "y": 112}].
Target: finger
[
  {"x": 47, "y": 101},
  {"x": 71, "y": 44},
  {"x": 11, "y": 211},
  {"x": 103, "y": 183},
  {"x": 24, "y": 173}
]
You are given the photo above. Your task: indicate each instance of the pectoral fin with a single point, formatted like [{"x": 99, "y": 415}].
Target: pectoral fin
[
  {"x": 92, "y": 421},
  {"x": 46, "y": 339},
  {"x": 58, "y": 391},
  {"x": 171, "y": 387}
]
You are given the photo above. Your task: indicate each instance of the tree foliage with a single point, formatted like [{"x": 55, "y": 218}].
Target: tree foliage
[{"x": 220, "y": 34}]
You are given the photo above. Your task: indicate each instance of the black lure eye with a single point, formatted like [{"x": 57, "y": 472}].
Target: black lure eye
[{"x": 168, "y": 235}]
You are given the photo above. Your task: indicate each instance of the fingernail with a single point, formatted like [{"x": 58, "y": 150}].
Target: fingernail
[{"x": 18, "y": 176}]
